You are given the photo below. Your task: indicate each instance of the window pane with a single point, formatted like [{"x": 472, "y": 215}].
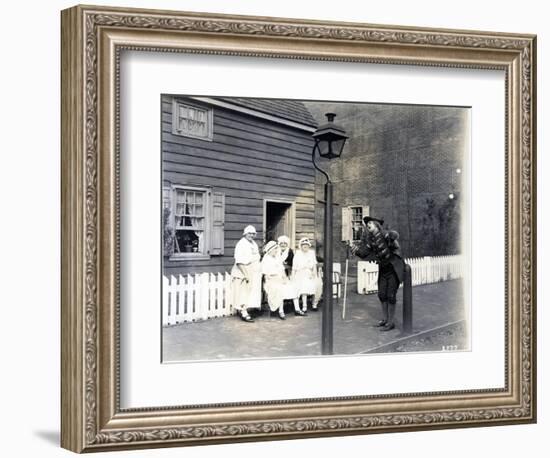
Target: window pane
[
  {"x": 357, "y": 213},
  {"x": 190, "y": 222},
  {"x": 197, "y": 223},
  {"x": 180, "y": 196},
  {"x": 356, "y": 222},
  {"x": 189, "y": 241},
  {"x": 192, "y": 121}
]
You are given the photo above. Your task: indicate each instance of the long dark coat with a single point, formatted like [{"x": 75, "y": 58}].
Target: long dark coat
[{"x": 369, "y": 252}]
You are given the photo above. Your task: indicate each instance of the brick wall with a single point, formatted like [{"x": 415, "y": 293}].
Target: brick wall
[{"x": 397, "y": 158}]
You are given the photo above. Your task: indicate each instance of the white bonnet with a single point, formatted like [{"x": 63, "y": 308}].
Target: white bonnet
[
  {"x": 283, "y": 239},
  {"x": 269, "y": 246},
  {"x": 304, "y": 241}
]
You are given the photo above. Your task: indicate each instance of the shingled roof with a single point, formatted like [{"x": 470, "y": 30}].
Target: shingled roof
[{"x": 291, "y": 110}]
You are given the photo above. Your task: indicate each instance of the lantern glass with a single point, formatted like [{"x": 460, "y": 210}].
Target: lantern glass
[
  {"x": 330, "y": 139},
  {"x": 330, "y": 149}
]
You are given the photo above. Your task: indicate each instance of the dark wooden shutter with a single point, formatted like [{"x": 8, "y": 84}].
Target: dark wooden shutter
[{"x": 218, "y": 223}]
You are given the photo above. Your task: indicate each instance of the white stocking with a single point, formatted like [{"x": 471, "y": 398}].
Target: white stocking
[{"x": 304, "y": 302}]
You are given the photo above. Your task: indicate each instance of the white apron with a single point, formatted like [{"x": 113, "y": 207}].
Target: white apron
[
  {"x": 246, "y": 289},
  {"x": 277, "y": 285},
  {"x": 304, "y": 272}
]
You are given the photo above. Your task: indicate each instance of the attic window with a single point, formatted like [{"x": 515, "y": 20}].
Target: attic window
[{"x": 191, "y": 121}]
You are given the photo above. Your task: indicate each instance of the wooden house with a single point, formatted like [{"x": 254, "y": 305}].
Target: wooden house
[{"x": 228, "y": 163}]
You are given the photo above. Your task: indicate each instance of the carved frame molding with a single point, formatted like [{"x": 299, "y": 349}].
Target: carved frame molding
[{"x": 92, "y": 40}]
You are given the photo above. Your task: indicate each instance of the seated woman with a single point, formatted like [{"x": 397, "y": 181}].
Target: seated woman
[
  {"x": 304, "y": 273},
  {"x": 277, "y": 285},
  {"x": 286, "y": 254}
]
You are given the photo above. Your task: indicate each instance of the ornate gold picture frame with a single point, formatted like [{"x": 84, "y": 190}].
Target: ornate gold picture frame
[{"x": 93, "y": 39}]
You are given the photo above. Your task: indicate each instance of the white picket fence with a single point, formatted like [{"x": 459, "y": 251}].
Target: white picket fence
[
  {"x": 202, "y": 296},
  {"x": 196, "y": 297},
  {"x": 424, "y": 271}
]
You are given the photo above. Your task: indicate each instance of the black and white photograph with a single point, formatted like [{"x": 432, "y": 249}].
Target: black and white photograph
[
  {"x": 275, "y": 229},
  {"x": 298, "y": 228}
]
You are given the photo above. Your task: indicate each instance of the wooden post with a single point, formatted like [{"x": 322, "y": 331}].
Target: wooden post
[
  {"x": 326, "y": 318},
  {"x": 204, "y": 287},
  {"x": 407, "y": 301},
  {"x": 345, "y": 286}
]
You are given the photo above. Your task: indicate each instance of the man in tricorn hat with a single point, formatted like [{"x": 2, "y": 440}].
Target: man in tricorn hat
[{"x": 381, "y": 246}]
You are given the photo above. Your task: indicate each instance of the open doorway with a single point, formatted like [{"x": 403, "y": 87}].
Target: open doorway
[{"x": 279, "y": 220}]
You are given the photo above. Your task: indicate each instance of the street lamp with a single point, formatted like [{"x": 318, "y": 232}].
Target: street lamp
[{"x": 329, "y": 143}]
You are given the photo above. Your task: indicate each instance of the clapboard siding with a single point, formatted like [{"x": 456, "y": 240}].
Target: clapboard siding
[
  {"x": 257, "y": 142},
  {"x": 282, "y": 190},
  {"x": 226, "y": 144},
  {"x": 235, "y": 191},
  {"x": 227, "y": 118},
  {"x": 241, "y": 126},
  {"x": 251, "y": 176},
  {"x": 250, "y": 160},
  {"x": 238, "y": 171},
  {"x": 236, "y": 129},
  {"x": 306, "y": 202},
  {"x": 208, "y": 157},
  {"x": 239, "y": 155}
]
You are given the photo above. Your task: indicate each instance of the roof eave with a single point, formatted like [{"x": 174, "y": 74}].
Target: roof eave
[{"x": 256, "y": 113}]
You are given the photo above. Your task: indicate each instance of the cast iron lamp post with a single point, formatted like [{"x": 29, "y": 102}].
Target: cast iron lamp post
[{"x": 329, "y": 143}]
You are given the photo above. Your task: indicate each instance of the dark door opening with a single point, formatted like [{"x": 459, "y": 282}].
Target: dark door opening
[{"x": 279, "y": 220}]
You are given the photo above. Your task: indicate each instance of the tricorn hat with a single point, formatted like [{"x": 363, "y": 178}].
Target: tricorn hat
[{"x": 366, "y": 219}]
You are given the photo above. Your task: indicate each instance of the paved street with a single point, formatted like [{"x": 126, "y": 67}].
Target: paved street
[{"x": 434, "y": 307}]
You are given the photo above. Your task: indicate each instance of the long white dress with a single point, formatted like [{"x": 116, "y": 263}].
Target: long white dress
[
  {"x": 277, "y": 285},
  {"x": 246, "y": 289},
  {"x": 304, "y": 272}
]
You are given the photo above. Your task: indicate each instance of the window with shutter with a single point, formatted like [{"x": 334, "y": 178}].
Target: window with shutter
[
  {"x": 190, "y": 218},
  {"x": 346, "y": 227},
  {"x": 194, "y": 220},
  {"x": 356, "y": 215},
  {"x": 218, "y": 222},
  {"x": 191, "y": 221}
]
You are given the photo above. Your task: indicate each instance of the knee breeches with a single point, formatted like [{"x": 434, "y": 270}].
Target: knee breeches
[{"x": 388, "y": 284}]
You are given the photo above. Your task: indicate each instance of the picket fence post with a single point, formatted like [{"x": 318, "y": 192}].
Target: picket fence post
[
  {"x": 165, "y": 302},
  {"x": 227, "y": 295}
]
